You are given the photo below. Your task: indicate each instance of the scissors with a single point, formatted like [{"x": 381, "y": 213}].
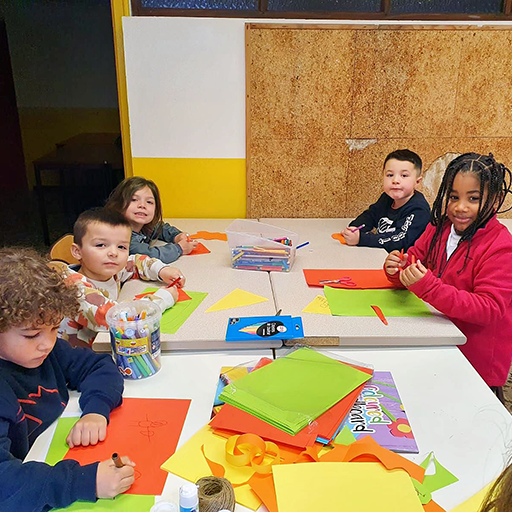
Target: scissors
[{"x": 344, "y": 281}]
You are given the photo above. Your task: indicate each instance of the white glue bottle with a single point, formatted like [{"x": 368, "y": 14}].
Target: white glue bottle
[{"x": 189, "y": 500}]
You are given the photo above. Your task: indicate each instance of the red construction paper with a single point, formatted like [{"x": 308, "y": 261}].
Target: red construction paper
[
  {"x": 182, "y": 295},
  {"x": 145, "y": 429},
  {"x": 200, "y": 249},
  {"x": 207, "y": 235},
  {"x": 364, "y": 278},
  {"x": 339, "y": 237}
]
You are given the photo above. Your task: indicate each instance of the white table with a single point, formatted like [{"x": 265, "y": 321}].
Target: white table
[
  {"x": 292, "y": 294},
  {"x": 183, "y": 375}
]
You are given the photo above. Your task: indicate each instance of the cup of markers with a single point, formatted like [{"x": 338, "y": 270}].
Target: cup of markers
[{"x": 135, "y": 338}]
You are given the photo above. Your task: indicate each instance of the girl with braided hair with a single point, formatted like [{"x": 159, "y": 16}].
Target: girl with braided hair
[{"x": 462, "y": 264}]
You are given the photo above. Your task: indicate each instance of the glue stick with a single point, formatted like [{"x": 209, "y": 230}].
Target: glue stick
[{"x": 189, "y": 499}]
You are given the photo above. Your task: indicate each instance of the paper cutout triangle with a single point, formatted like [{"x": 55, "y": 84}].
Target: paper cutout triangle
[
  {"x": 318, "y": 305},
  {"x": 235, "y": 299},
  {"x": 441, "y": 478},
  {"x": 200, "y": 249}
]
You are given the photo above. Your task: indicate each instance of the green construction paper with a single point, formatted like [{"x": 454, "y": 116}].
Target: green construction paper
[
  {"x": 58, "y": 447},
  {"x": 392, "y": 302},
  {"x": 423, "y": 493},
  {"x": 121, "y": 503},
  {"x": 441, "y": 478},
  {"x": 175, "y": 317},
  {"x": 345, "y": 437},
  {"x": 294, "y": 390}
]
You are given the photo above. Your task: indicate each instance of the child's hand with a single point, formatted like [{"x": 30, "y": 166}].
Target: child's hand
[
  {"x": 182, "y": 236},
  {"x": 111, "y": 481},
  {"x": 351, "y": 236},
  {"x": 89, "y": 429},
  {"x": 169, "y": 274},
  {"x": 394, "y": 262},
  {"x": 187, "y": 247},
  {"x": 173, "y": 290},
  {"x": 412, "y": 274}
]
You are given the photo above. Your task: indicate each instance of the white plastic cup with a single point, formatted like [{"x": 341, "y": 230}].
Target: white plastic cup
[
  {"x": 135, "y": 338},
  {"x": 164, "y": 506}
]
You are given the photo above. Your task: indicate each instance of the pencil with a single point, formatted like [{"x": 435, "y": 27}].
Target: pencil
[{"x": 117, "y": 460}]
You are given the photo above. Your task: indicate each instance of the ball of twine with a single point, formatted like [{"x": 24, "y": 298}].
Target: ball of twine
[{"x": 215, "y": 494}]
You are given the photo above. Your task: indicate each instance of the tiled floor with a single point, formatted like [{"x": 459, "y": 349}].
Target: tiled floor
[{"x": 21, "y": 225}]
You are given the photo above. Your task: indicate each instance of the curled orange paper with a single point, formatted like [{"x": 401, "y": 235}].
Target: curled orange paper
[{"x": 251, "y": 450}]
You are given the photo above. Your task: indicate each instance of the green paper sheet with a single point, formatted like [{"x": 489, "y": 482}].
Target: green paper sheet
[
  {"x": 294, "y": 390},
  {"x": 345, "y": 437},
  {"x": 175, "y": 317},
  {"x": 358, "y": 302},
  {"x": 58, "y": 447},
  {"x": 122, "y": 503},
  {"x": 441, "y": 478},
  {"x": 424, "y": 494}
]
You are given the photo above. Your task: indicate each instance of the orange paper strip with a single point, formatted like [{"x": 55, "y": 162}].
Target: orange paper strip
[
  {"x": 339, "y": 237},
  {"x": 380, "y": 314},
  {"x": 251, "y": 450},
  {"x": 263, "y": 486},
  {"x": 207, "y": 235},
  {"x": 363, "y": 278}
]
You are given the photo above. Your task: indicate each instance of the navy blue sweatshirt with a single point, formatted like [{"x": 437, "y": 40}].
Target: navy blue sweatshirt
[
  {"x": 30, "y": 400},
  {"x": 395, "y": 229}
]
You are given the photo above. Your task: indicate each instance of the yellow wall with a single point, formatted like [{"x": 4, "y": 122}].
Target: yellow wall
[
  {"x": 197, "y": 187},
  {"x": 42, "y": 128}
]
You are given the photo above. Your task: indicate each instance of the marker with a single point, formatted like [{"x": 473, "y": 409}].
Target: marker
[
  {"x": 117, "y": 460},
  {"x": 188, "y": 237},
  {"x": 174, "y": 282},
  {"x": 302, "y": 245},
  {"x": 353, "y": 229},
  {"x": 279, "y": 312}
]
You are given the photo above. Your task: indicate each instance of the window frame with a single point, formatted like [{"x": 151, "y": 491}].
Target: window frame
[{"x": 263, "y": 13}]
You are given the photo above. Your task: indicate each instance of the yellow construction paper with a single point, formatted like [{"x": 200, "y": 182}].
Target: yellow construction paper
[
  {"x": 236, "y": 299},
  {"x": 189, "y": 463},
  {"x": 318, "y": 305},
  {"x": 474, "y": 503},
  {"x": 342, "y": 486}
]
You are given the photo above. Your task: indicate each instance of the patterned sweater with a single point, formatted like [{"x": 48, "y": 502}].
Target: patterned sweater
[{"x": 97, "y": 298}]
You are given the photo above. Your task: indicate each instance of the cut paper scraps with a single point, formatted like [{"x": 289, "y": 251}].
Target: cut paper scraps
[
  {"x": 441, "y": 476},
  {"x": 364, "y": 279},
  {"x": 251, "y": 450},
  {"x": 175, "y": 317},
  {"x": 359, "y": 302},
  {"x": 190, "y": 463},
  {"x": 207, "y": 235},
  {"x": 343, "y": 483},
  {"x": 319, "y": 305},
  {"x": 121, "y": 503},
  {"x": 294, "y": 390},
  {"x": 146, "y": 430},
  {"x": 339, "y": 237},
  {"x": 200, "y": 249},
  {"x": 235, "y": 299}
]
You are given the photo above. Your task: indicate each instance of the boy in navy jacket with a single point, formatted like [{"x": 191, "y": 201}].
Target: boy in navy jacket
[
  {"x": 36, "y": 369},
  {"x": 400, "y": 215}
]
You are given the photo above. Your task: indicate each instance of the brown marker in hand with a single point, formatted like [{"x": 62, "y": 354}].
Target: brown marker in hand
[{"x": 117, "y": 460}]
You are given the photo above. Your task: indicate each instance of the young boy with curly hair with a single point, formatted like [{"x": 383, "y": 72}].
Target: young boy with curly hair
[{"x": 36, "y": 370}]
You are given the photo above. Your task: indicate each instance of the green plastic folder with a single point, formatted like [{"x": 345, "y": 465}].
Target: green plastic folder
[
  {"x": 175, "y": 317},
  {"x": 294, "y": 390},
  {"x": 344, "y": 302}
]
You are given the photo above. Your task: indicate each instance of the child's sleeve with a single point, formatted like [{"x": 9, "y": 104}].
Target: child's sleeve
[
  {"x": 167, "y": 253},
  {"x": 36, "y": 485},
  {"x": 168, "y": 233},
  {"x": 369, "y": 217},
  {"x": 487, "y": 303},
  {"x": 94, "y": 375},
  {"x": 408, "y": 229}
]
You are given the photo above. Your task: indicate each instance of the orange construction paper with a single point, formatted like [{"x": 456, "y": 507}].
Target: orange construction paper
[
  {"x": 339, "y": 237},
  {"x": 431, "y": 506},
  {"x": 182, "y": 295},
  {"x": 251, "y": 450},
  {"x": 366, "y": 449},
  {"x": 200, "y": 249},
  {"x": 263, "y": 486},
  {"x": 365, "y": 279},
  {"x": 207, "y": 235},
  {"x": 147, "y": 430}
]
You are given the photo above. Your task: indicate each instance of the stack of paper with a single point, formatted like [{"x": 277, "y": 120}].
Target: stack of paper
[{"x": 293, "y": 391}]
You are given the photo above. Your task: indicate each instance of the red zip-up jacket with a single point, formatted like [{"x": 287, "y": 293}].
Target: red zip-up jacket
[{"x": 478, "y": 300}]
